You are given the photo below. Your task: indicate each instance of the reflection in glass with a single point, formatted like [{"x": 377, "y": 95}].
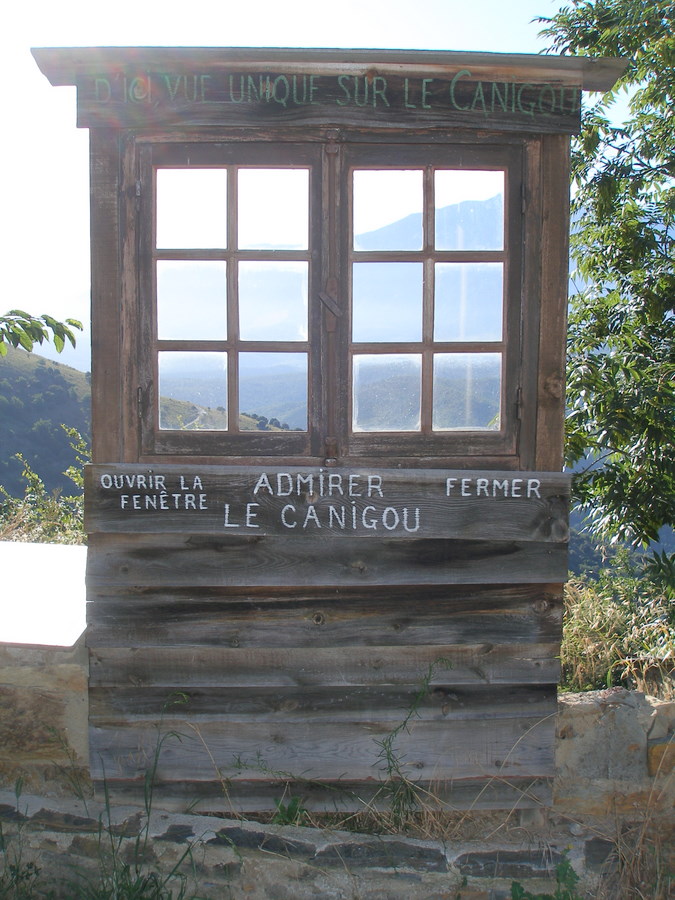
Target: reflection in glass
[
  {"x": 273, "y": 209},
  {"x": 192, "y": 208},
  {"x": 273, "y": 391},
  {"x": 388, "y": 209},
  {"x": 387, "y": 392},
  {"x": 469, "y": 210},
  {"x": 468, "y": 304},
  {"x": 191, "y": 300},
  {"x": 192, "y": 391},
  {"x": 467, "y": 391},
  {"x": 387, "y": 302},
  {"x": 273, "y": 301}
]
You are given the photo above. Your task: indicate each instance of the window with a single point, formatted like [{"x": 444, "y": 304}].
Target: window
[
  {"x": 226, "y": 299},
  {"x": 304, "y": 302}
]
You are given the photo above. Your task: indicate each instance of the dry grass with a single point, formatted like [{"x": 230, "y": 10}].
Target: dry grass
[{"x": 618, "y": 631}]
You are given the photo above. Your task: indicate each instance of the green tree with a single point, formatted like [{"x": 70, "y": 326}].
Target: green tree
[
  {"x": 621, "y": 372},
  {"x": 21, "y": 329}
]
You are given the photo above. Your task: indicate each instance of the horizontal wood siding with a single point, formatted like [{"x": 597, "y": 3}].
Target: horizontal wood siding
[
  {"x": 285, "y": 653},
  {"x": 184, "y": 560},
  {"x": 262, "y": 686}
]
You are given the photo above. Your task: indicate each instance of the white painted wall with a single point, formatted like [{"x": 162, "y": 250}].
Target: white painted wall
[{"x": 42, "y": 593}]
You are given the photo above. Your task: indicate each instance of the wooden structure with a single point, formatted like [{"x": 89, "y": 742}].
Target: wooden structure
[{"x": 298, "y": 581}]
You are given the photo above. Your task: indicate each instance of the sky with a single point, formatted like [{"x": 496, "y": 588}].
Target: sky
[{"x": 45, "y": 197}]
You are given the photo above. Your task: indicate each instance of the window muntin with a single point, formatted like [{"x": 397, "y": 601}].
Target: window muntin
[{"x": 432, "y": 283}]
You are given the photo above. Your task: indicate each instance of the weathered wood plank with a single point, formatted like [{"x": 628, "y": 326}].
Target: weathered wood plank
[
  {"x": 458, "y": 597},
  {"x": 488, "y": 114},
  {"x": 554, "y": 282},
  {"x": 107, "y": 399},
  {"x": 500, "y": 617},
  {"x": 184, "y": 560},
  {"x": 120, "y": 706},
  {"x": 328, "y": 796},
  {"x": 301, "y": 502},
  {"x": 183, "y": 668},
  {"x": 430, "y": 750}
]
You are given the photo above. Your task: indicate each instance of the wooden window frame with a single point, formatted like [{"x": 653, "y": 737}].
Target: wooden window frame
[
  {"x": 427, "y": 443},
  {"x": 230, "y": 443},
  {"x": 329, "y": 439}
]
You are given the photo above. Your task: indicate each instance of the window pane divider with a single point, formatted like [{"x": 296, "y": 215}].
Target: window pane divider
[
  {"x": 192, "y": 254},
  {"x": 435, "y": 347}
]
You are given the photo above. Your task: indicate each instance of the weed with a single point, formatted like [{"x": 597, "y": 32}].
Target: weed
[
  {"x": 566, "y": 882},
  {"x": 43, "y": 517},
  {"x": 119, "y": 879},
  {"x": 19, "y": 878},
  {"x": 403, "y": 795},
  {"x": 291, "y": 813}
]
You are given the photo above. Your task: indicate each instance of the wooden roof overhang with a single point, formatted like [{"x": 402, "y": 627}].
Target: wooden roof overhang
[{"x": 139, "y": 87}]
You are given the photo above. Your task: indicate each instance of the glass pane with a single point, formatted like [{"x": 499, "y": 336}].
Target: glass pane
[
  {"x": 469, "y": 210},
  {"x": 192, "y": 208},
  {"x": 467, "y": 391},
  {"x": 192, "y": 391},
  {"x": 273, "y": 391},
  {"x": 387, "y": 302},
  {"x": 468, "y": 303},
  {"x": 191, "y": 300},
  {"x": 273, "y": 209},
  {"x": 388, "y": 209},
  {"x": 387, "y": 392},
  {"x": 273, "y": 301}
]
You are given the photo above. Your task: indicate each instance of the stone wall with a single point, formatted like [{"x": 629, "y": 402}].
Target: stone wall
[
  {"x": 614, "y": 799},
  {"x": 43, "y": 716}
]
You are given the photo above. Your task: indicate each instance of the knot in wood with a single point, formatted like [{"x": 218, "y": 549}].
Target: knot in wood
[
  {"x": 554, "y": 386},
  {"x": 318, "y": 618}
]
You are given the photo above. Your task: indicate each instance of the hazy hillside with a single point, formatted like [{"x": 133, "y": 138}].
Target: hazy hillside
[{"x": 37, "y": 396}]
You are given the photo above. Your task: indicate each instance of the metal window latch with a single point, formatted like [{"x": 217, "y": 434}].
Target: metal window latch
[
  {"x": 330, "y": 451},
  {"x": 331, "y": 305}
]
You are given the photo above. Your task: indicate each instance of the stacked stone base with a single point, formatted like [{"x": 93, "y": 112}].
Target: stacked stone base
[{"x": 70, "y": 841}]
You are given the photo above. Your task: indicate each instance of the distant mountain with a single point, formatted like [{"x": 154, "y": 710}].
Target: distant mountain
[{"x": 482, "y": 219}]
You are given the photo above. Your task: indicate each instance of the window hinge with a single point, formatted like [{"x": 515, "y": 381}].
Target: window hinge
[
  {"x": 138, "y": 188},
  {"x": 139, "y": 401},
  {"x": 519, "y": 404}
]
